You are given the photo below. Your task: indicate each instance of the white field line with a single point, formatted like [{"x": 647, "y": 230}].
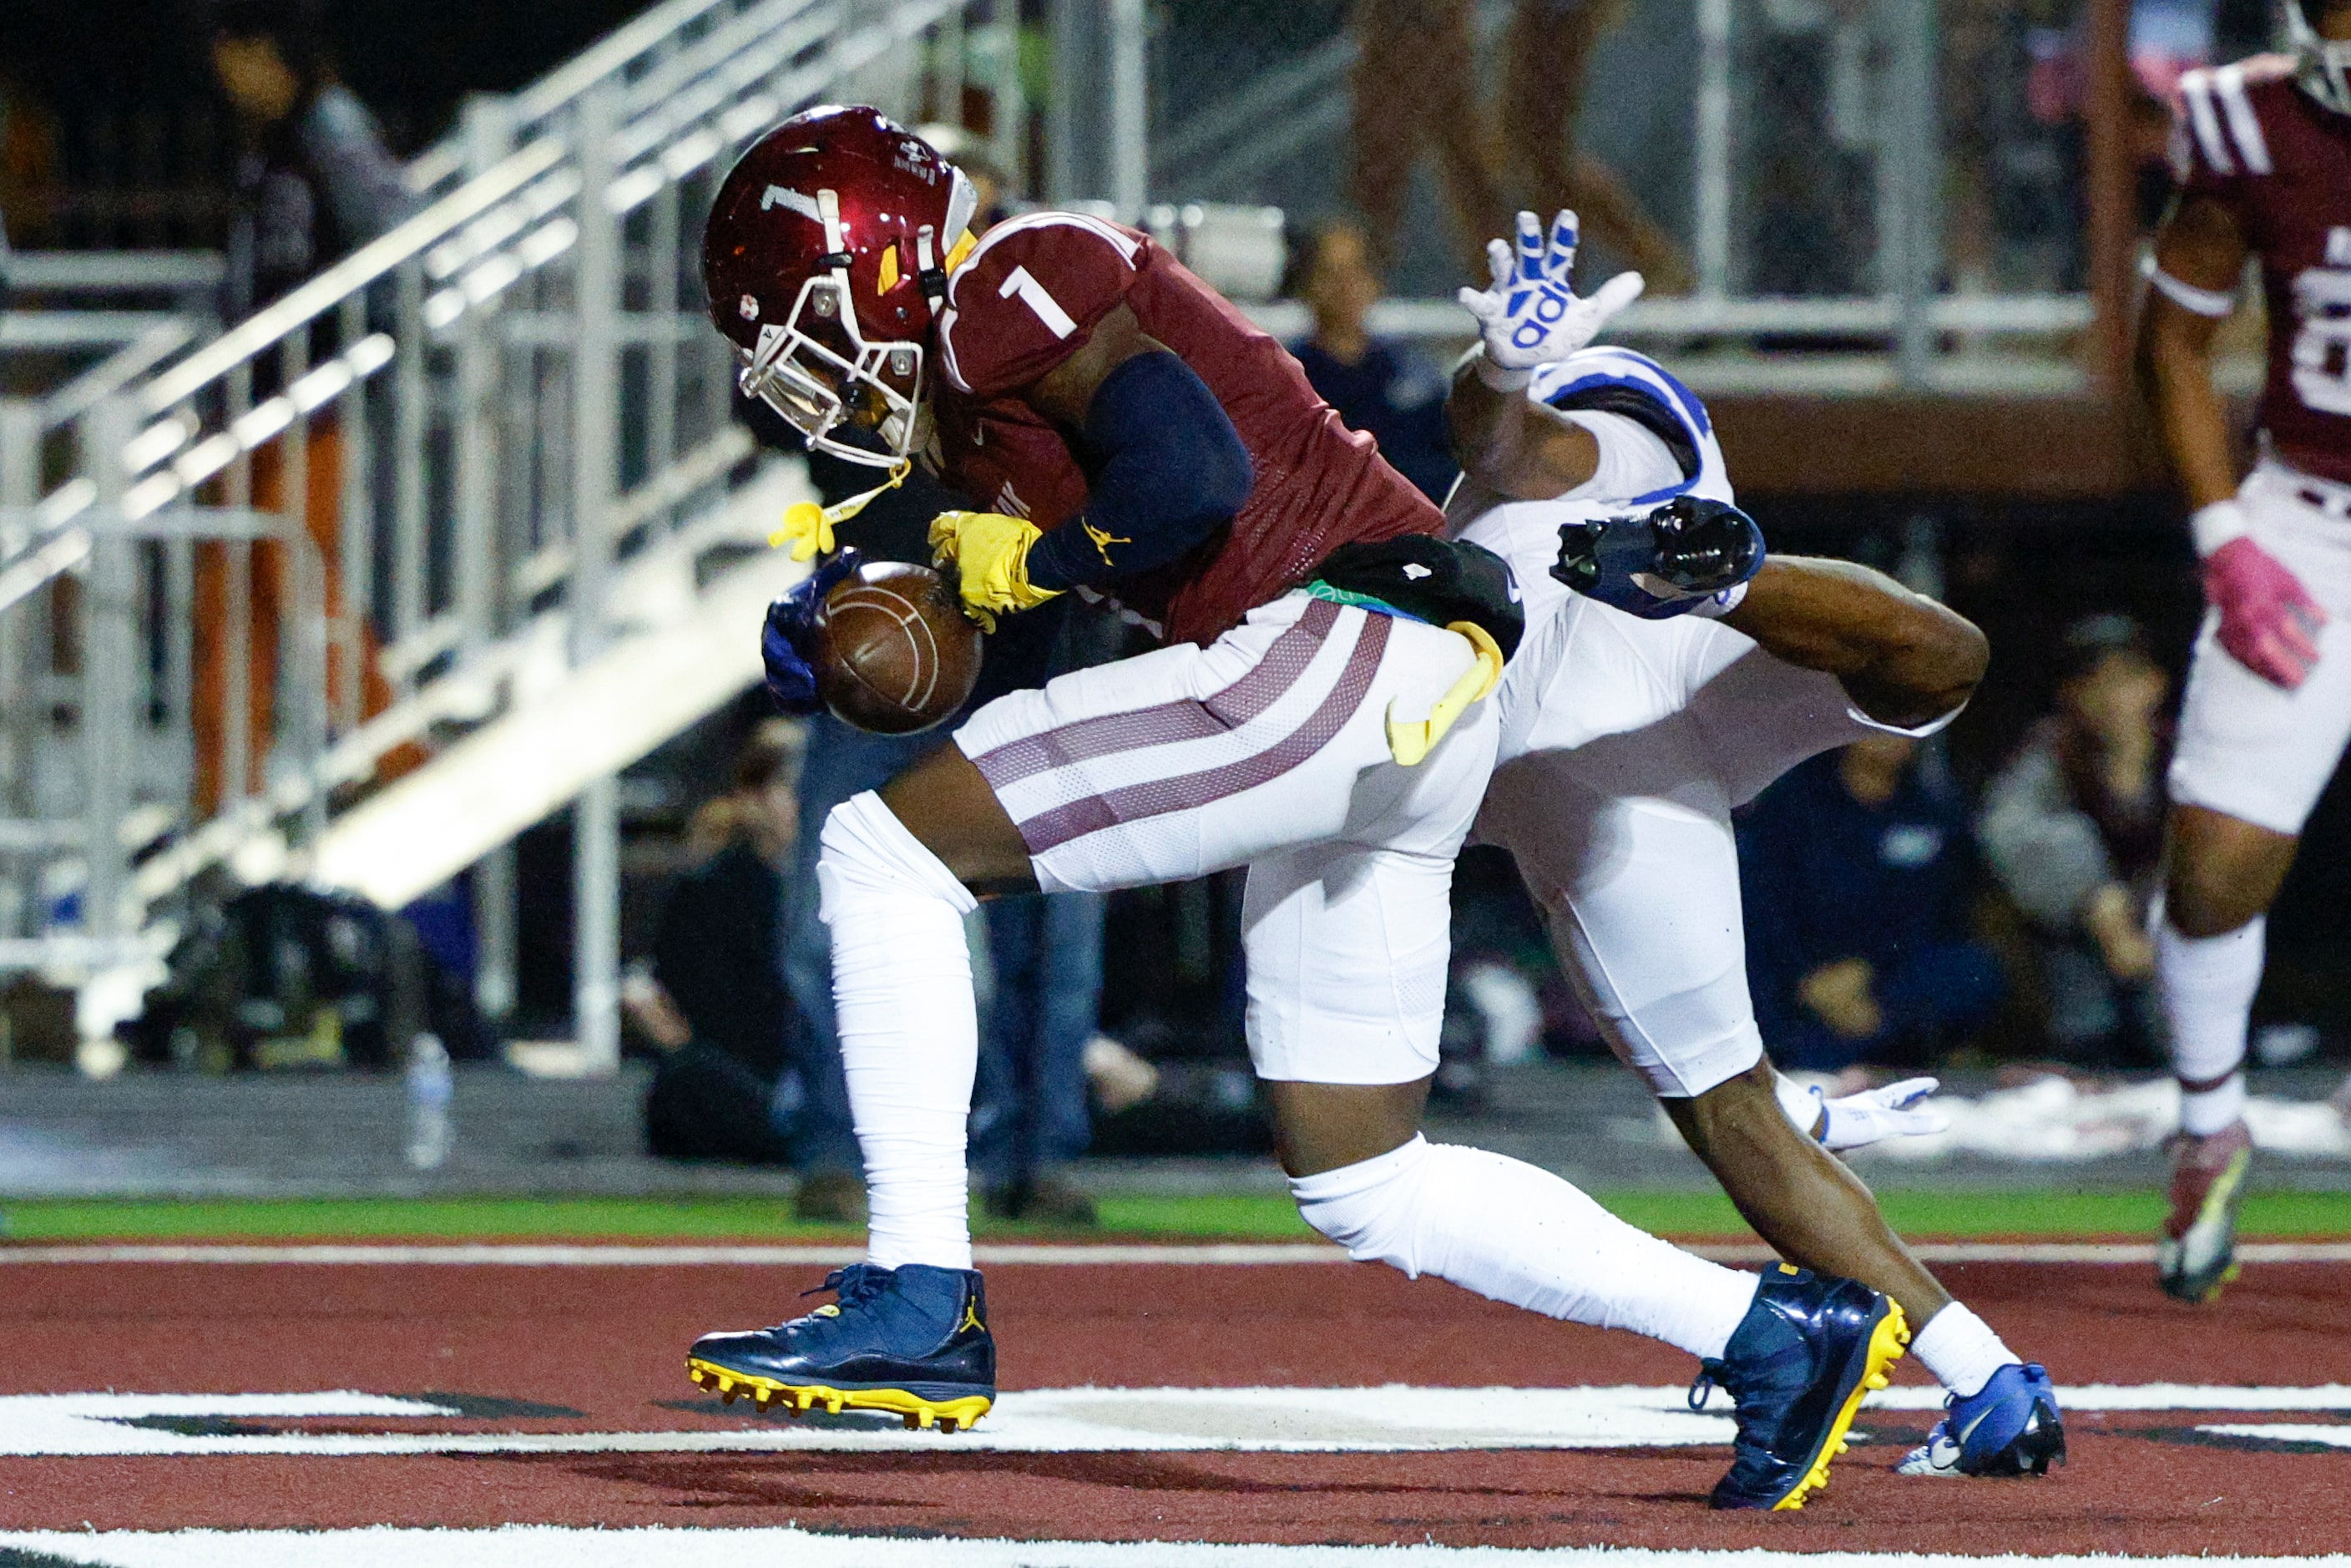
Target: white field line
[
  {"x": 526, "y": 1546},
  {"x": 1395, "y": 1418},
  {"x": 627, "y": 1254}
]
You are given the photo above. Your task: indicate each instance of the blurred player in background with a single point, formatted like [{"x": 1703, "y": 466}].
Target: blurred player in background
[
  {"x": 1637, "y": 716},
  {"x": 2262, "y": 152},
  {"x": 1317, "y": 714}
]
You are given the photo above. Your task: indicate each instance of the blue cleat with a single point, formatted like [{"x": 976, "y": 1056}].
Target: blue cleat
[
  {"x": 1797, "y": 1366},
  {"x": 2010, "y": 1426},
  {"x": 913, "y": 1341}
]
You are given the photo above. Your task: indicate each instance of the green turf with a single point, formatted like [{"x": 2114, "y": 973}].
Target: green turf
[{"x": 1918, "y": 1212}]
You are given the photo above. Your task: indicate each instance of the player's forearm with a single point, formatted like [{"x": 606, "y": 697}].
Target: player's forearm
[
  {"x": 2176, "y": 366},
  {"x": 1903, "y": 658},
  {"x": 1488, "y": 428}
]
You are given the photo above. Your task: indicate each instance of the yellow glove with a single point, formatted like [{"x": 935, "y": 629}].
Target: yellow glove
[{"x": 990, "y": 553}]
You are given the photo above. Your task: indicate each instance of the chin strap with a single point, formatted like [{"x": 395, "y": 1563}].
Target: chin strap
[
  {"x": 805, "y": 519},
  {"x": 1410, "y": 743}
]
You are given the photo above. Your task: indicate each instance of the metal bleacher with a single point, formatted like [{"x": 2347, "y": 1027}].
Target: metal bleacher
[{"x": 550, "y": 538}]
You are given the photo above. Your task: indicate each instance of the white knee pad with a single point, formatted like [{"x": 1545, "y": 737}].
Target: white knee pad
[
  {"x": 866, "y": 847},
  {"x": 1372, "y": 1208}
]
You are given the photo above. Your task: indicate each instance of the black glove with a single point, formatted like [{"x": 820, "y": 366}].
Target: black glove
[{"x": 1680, "y": 557}]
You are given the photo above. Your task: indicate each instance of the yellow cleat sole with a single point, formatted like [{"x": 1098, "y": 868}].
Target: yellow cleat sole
[
  {"x": 1885, "y": 1343},
  {"x": 797, "y": 1399}
]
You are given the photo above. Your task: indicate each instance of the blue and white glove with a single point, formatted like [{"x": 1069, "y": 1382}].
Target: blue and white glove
[
  {"x": 1856, "y": 1121},
  {"x": 787, "y": 643},
  {"x": 1689, "y": 554},
  {"x": 1532, "y": 315}
]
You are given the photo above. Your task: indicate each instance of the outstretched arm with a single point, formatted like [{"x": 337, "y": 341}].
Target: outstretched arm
[
  {"x": 1511, "y": 445},
  {"x": 1904, "y": 659}
]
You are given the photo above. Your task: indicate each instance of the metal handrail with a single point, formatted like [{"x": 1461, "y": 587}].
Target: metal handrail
[
  {"x": 481, "y": 378},
  {"x": 267, "y": 327}
]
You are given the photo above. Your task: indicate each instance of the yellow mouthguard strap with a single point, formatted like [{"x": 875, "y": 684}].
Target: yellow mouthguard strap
[
  {"x": 802, "y": 517},
  {"x": 1411, "y": 743}
]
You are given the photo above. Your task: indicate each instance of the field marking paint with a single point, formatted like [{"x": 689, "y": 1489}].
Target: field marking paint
[
  {"x": 1396, "y": 1418},
  {"x": 2281, "y": 1432},
  {"x": 625, "y": 1255},
  {"x": 526, "y": 1546}
]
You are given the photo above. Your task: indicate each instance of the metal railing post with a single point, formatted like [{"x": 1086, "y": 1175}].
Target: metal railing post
[
  {"x": 20, "y": 486},
  {"x": 1069, "y": 36},
  {"x": 1130, "y": 123},
  {"x": 595, "y": 435},
  {"x": 997, "y": 50},
  {"x": 487, "y": 127},
  {"x": 1711, "y": 151},
  {"x": 110, "y": 669},
  {"x": 1912, "y": 148}
]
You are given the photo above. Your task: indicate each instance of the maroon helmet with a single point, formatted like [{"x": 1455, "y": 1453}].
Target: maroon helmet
[{"x": 826, "y": 259}]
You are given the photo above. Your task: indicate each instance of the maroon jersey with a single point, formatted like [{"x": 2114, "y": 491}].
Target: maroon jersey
[
  {"x": 2255, "y": 143},
  {"x": 1026, "y": 299}
]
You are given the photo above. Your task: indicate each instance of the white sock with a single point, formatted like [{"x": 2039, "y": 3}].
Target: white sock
[
  {"x": 909, "y": 1028},
  {"x": 2204, "y": 1111},
  {"x": 2207, "y": 983},
  {"x": 1517, "y": 1234},
  {"x": 1960, "y": 1350}
]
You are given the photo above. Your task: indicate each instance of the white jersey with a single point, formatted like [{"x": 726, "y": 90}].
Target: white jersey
[
  {"x": 1626, "y": 743},
  {"x": 1655, "y": 442}
]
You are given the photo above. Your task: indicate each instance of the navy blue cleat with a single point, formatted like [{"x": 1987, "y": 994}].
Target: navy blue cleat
[
  {"x": 913, "y": 1341},
  {"x": 1797, "y": 1366},
  {"x": 2010, "y": 1426}
]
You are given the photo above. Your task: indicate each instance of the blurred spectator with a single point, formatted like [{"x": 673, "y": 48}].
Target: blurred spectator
[
  {"x": 1415, "y": 90},
  {"x": 1854, "y": 872},
  {"x": 2072, "y": 827},
  {"x": 27, "y": 165},
  {"x": 1549, "y": 49},
  {"x": 1815, "y": 192},
  {"x": 715, "y": 1002},
  {"x": 314, "y": 181},
  {"x": 1385, "y": 387}
]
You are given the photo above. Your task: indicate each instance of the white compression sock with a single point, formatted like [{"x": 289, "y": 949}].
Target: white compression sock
[
  {"x": 909, "y": 1028},
  {"x": 2207, "y": 983},
  {"x": 1960, "y": 1350},
  {"x": 1516, "y": 1234}
]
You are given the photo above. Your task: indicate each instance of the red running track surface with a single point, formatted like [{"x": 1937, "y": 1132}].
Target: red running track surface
[{"x": 608, "y": 1343}]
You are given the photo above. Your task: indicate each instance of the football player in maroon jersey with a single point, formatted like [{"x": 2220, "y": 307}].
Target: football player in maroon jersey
[
  {"x": 2262, "y": 150},
  {"x": 1316, "y": 715}
]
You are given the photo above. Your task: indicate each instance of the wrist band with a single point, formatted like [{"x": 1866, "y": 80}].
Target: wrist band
[
  {"x": 2212, "y": 302},
  {"x": 2216, "y": 525},
  {"x": 1501, "y": 379}
]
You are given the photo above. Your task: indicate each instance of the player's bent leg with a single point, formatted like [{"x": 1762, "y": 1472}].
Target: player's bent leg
[
  {"x": 2220, "y": 874},
  {"x": 908, "y": 1333},
  {"x": 1800, "y": 1197},
  {"x": 1797, "y": 1352}
]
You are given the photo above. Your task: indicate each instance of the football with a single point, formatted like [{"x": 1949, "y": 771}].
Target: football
[{"x": 896, "y": 653}]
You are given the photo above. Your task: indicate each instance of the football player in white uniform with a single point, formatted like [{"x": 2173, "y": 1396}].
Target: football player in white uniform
[
  {"x": 2262, "y": 150},
  {"x": 1669, "y": 671}
]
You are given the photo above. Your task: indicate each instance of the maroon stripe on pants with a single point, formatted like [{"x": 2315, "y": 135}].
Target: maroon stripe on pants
[
  {"x": 1165, "y": 722},
  {"x": 1158, "y": 797}
]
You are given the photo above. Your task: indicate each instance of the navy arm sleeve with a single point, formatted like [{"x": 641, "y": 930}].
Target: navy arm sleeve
[{"x": 1172, "y": 471}]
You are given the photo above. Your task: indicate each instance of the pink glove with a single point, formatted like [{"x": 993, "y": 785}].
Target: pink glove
[{"x": 2269, "y": 623}]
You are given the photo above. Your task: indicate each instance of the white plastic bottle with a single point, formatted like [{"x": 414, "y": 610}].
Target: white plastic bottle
[{"x": 429, "y": 1086}]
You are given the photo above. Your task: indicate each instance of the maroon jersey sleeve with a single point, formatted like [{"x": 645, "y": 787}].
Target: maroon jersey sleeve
[
  {"x": 1030, "y": 297},
  {"x": 2218, "y": 148}
]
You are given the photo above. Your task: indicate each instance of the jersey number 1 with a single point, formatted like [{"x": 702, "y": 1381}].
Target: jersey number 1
[{"x": 1049, "y": 310}]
